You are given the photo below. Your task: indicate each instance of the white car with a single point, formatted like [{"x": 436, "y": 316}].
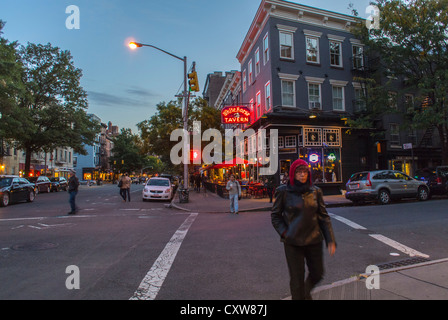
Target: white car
[{"x": 158, "y": 188}]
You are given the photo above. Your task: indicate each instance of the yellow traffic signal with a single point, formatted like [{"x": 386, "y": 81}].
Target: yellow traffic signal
[{"x": 193, "y": 81}]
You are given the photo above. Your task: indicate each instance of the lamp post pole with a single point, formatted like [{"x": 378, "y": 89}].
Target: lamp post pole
[{"x": 134, "y": 45}]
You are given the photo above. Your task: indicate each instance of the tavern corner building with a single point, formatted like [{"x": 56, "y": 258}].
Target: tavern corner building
[{"x": 298, "y": 66}]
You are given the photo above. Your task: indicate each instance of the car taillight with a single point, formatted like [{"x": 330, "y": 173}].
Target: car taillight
[
  {"x": 439, "y": 180},
  {"x": 368, "y": 183}
]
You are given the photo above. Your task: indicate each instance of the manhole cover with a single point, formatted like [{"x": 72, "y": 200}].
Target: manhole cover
[{"x": 34, "y": 246}]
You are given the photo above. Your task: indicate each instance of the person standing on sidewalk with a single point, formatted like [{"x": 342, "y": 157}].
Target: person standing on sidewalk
[
  {"x": 300, "y": 218},
  {"x": 234, "y": 189},
  {"x": 125, "y": 188},
  {"x": 73, "y": 184}
]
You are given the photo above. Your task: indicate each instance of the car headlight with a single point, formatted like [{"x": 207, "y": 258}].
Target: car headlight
[{"x": 167, "y": 190}]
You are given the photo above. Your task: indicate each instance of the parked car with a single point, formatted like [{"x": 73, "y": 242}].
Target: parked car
[
  {"x": 87, "y": 182},
  {"x": 435, "y": 178},
  {"x": 15, "y": 189},
  {"x": 59, "y": 183},
  {"x": 158, "y": 188},
  {"x": 42, "y": 183},
  {"x": 383, "y": 186}
]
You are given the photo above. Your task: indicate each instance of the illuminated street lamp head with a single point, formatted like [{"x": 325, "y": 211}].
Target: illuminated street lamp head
[{"x": 134, "y": 45}]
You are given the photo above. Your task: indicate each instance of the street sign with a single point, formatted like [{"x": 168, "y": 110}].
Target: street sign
[{"x": 407, "y": 146}]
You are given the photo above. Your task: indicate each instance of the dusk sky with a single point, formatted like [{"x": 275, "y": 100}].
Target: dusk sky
[{"x": 124, "y": 86}]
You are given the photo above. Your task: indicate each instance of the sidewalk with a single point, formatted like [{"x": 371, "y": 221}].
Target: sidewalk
[
  {"x": 409, "y": 279},
  {"x": 212, "y": 203}
]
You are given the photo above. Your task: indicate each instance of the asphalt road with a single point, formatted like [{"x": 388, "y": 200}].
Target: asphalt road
[{"x": 142, "y": 249}]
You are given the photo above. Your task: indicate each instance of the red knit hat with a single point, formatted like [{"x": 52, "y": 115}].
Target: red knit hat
[{"x": 292, "y": 170}]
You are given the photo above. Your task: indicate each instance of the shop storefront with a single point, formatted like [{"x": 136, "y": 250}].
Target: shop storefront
[{"x": 321, "y": 147}]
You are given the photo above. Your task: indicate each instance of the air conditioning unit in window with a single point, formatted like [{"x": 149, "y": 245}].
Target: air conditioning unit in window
[{"x": 314, "y": 105}]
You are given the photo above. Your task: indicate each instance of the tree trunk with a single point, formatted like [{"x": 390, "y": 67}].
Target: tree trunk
[
  {"x": 28, "y": 152},
  {"x": 443, "y": 134}
]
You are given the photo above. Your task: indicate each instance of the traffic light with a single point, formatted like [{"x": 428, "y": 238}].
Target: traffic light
[
  {"x": 193, "y": 81},
  {"x": 195, "y": 156}
]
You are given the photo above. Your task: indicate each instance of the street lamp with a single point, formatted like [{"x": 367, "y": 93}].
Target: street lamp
[{"x": 134, "y": 45}]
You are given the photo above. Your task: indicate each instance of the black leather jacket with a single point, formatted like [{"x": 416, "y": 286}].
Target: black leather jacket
[{"x": 301, "y": 219}]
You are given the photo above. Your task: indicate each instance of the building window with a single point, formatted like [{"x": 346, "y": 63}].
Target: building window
[
  {"x": 251, "y": 79},
  {"x": 392, "y": 100},
  {"x": 267, "y": 94},
  {"x": 394, "y": 134},
  {"x": 286, "y": 45},
  {"x": 357, "y": 58},
  {"x": 244, "y": 80},
  {"x": 359, "y": 104},
  {"x": 265, "y": 49},
  {"x": 252, "y": 111},
  {"x": 258, "y": 104},
  {"x": 314, "y": 95},
  {"x": 280, "y": 143},
  {"x": 335, "y": 54},
  {"x": 288, "y": 93},
  {"x": 409, "y": 102},
  {"x": 338, "y": 98},
  {"x": 257, "y": 62},
  {"x": 312, "y": 50},
  {"x": 290, "y": 141}
]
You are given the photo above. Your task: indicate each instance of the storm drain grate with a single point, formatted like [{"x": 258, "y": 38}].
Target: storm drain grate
[
  {"x": 402, "y": 263},
  {"x": 36, "y": 246}
]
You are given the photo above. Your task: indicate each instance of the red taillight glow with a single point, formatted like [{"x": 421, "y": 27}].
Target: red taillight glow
[
  {"x": 368, "y": 183},
  {"x": 439, "y": 180}
]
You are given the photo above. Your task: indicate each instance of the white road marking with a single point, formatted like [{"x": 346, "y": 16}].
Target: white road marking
[
  {"x": 392, "y": 243},
  {"x": 347, "y": 222},
  {"x": 152, "y": 282},
  {"x": 400, "y": 247}
]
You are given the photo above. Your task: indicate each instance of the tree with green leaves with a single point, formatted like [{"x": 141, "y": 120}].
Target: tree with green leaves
[
  {"x": 127, "y": 156},
  {"x": 10, "y": 83},
  {"x": 412, "y": 43},
  {"x": 50, "y": 110},
  {"x": 156, "y": 131}
]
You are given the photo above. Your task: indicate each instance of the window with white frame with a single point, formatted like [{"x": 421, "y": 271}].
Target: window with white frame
[
  {"x": 265, "y": 49},
  {"x": 312, "y": 49},
  {"x": 258, "y": 104},
  {"x": 244, "y": 80},
  {"x": 286, "y": 45},
  {"x": 338, "y": 98},
  {"x": 359, "y": 103},
  {"x": 267, "y": 94},
  {"x": 357, "y": 57},
  {"x": 314, "y": 95},
  {"x": 290, "y": 141},
  {"x": 394, "y": 131},
  {"x": 335, "y": 53},
  {"x": 288, "y": 96},
  {"x": 280, "y": 142},
  {"x": 249, "y": 67},
  {"x": 257, "y": 61},
  {"x": 252, "y": 109}
]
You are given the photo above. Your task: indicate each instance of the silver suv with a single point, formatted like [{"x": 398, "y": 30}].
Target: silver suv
[{"x": 383, "y": 186}]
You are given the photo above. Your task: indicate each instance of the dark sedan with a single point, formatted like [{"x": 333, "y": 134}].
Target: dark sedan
[
  {"x": 58, "y": 183},
  {"x": 43, "y": 184},
  {"x": 15, "y": 189}
]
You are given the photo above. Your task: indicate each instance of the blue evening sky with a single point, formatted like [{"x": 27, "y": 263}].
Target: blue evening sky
[{"x": 124, "y": 86}]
